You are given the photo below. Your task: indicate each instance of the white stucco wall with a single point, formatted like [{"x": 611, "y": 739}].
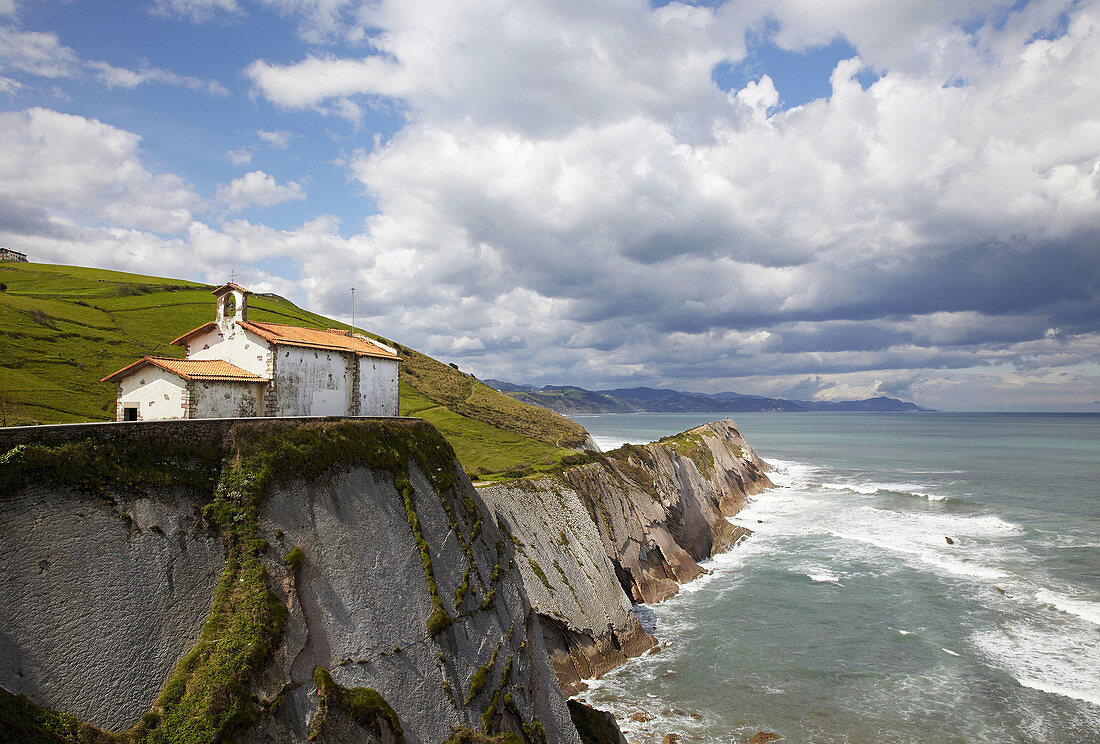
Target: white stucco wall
[
  {"x": 235, "y": 345},
  {"x": 313, "y": 382},
  {"x": 157, "y": 393},
  {"x": 378, "y": 387},
  {"x": 226, "y": 399}
]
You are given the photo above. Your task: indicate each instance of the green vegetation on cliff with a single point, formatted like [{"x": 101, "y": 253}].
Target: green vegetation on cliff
[
  {"x": 65, "y": 327},
  {"x": 207, "y": 697},
  {"x": 364, "y": 705}
]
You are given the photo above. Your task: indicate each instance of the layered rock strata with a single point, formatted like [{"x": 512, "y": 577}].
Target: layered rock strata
[
  {"x": 629, "y": 525},
  {"x": 262, "y": 581},
  {"x": 333, "y": 580}
]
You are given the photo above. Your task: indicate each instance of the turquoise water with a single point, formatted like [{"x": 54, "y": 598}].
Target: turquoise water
[{"x": 848, "y": 617}]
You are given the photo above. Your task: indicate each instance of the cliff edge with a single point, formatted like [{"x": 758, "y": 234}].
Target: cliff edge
[
  {"x": 261, "y": 581},
  {"x": 626, "y": 526},
  {"x": 334, "y": 580}
]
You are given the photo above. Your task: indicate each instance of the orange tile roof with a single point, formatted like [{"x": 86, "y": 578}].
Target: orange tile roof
[
  {"x": 314, "y": 338},
  {"x": 333, "y": 339},
  {"x": 229, "y": 287},
  {"x": 190, "y": 369}
]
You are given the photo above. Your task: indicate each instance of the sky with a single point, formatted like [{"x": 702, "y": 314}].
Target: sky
[{"x": 792, "y": 198}]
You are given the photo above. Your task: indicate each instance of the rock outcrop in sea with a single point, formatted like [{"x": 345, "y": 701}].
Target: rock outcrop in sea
[{"x": 334, "y": 580}]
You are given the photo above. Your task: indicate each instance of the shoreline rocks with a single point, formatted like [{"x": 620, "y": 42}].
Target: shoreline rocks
[{"x": 629, "y": 526}]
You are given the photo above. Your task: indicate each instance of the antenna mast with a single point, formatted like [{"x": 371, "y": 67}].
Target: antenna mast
[{"x": 352, "y": 333}]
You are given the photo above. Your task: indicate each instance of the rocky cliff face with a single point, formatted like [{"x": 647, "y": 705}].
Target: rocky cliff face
[
  {"x": 337, "y": 580},
  {"x": 261, "y": 581},
  {"x": 629, "y": 525}
]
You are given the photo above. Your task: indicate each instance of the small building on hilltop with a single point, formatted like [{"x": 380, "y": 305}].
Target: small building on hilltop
[
  {"x": 236, "y": 367},
  {"x": 7, "y": 254}
]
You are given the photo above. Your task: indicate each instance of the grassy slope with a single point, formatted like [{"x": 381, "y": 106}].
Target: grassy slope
[{"x": 65, "y": 327}]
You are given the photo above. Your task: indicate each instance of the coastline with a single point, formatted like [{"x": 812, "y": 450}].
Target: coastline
[
  {"x": 848, "y": 616},
  {"x": 654, "y": 513}
]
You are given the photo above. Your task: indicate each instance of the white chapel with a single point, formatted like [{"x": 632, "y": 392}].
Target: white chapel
[{"x": 234, "y": 367}]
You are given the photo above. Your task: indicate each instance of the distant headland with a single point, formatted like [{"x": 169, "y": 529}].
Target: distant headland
[{"x": 568, "y": 399}]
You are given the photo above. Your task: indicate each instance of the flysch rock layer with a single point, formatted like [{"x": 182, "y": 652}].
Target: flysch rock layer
[
  {"x": 358, "y": 605},
  {"x": 100, "y": 596},
  {"x": 97, "y": 608},
  {"x": 589, "y": 624},
  {"x": 631, "y": 525}
]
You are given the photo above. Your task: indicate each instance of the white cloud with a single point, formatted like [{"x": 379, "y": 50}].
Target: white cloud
[
  {"x": 542, "y": 66},
  {"x": 636, "y": 205},
  {"x": 7, "y": 7},
  {"x": 240, "y": 156},
  {"x": 37, "y": 53},
  {"x": 42, "y": 54},
  {"x": 9, "y": 86},
  {"x": 258, "y": 189},
  {"x": 120, "y": 77},
  {"x": 318, "y": 78},
  {"x": 81, "y": 171},
  {"x": 279, "y": 138},
  {"x": 198, "y": 11}
]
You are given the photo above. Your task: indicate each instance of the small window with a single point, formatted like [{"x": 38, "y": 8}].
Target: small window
[{"x": 129, "y": 413}]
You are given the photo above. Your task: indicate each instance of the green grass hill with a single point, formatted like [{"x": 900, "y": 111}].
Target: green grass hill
[{"x": 62, "y": 328}]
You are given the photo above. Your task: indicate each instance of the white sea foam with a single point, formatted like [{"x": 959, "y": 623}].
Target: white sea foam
[
  {"x": 866, "y": 489},
  {"x": 1050, "y": 657},
  {"x": 1070, "y": 692},
  {"x": 949, "y": 651},
  {"x": 824, "y": 578},
  {"x": 917, "y": 490},
  {"x": 1082, "y": 608},
  {"x": 805, "y": 507},
  {"x": 921, "y": 536},
  {"x": 905, "y": 632},
  {"x": 606, "y": 444}
]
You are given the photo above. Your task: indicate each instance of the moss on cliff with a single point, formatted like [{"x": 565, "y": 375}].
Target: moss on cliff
[
  {"x": 364, "y": 705},
  {"x": 463, "y": 735},
  {"x": 690, "y": 444},
  {"x": 440, "y": 619},
  {"x": 105, "y": 464},
  {"x": 481, "y": 676},
  {"x": 23, "y": 722},
  {"x": 206, "y": 698}
]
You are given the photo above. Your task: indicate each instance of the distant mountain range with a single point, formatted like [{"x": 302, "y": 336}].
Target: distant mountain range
[{"x": 574, "y": 400}]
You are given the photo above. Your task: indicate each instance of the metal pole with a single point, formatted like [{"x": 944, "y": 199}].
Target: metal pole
[{"x": 352, "y": 312}]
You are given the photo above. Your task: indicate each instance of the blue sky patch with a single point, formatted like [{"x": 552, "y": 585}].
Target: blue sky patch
[{"x": 799, "y": 76}]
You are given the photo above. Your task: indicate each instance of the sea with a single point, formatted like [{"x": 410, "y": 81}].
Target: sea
[{"x": 914, "y": 578}]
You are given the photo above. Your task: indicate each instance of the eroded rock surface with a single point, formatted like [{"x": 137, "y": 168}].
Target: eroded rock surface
[
  {"x": 631, "y": 525},
  {"x": 359, "y": 604},
  {"x": 334, "y": 580},
  {"x": 100, "y": 596},
  {"x": 137, "y": 607}
]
